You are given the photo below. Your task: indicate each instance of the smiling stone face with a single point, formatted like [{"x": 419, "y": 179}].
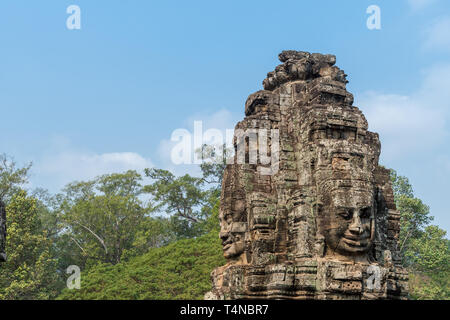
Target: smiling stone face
[
  {"x": 344, "y": 156},
  {"x": 346, "y": 220},
  {"x": 232, "y": 236},
  {"x": 232, "y": 230},
  {"x": 232, "y": 216}
]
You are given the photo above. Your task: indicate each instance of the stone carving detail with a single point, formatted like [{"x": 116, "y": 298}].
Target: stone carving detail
[
  {"x": 2, "y": 232},
  {"x": 324, "y": 226}
]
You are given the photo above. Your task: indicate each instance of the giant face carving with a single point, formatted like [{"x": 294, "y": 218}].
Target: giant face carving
[
  {"x": 346, "y": 191},
  {"x": 346, "y": 220},
  {"x": 232, "y": 229}
]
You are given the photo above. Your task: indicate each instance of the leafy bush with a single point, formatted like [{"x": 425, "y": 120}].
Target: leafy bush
[{"x": 180, "y": 270}]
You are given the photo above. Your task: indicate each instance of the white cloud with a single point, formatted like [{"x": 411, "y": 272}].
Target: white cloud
[
  {"x": 221, "y": 120},
  {"x": 414, "y": 131},
  {"x": 411, "y": 124},
  {"x": 405, "y": 124},
  {"x": 420, "y": 4},
  {"x": 58, "y": 169},
  {"x": 437, "y": 35}
]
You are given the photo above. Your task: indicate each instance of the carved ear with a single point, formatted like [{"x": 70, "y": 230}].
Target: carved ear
[
  {"x": 248, "y": 248},
  {"x": 320, "y": 245}
]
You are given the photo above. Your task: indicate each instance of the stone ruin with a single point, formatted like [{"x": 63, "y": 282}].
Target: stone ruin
[
  {"x": 2, "y": 232},
  {"x": 324, "y": 225}
]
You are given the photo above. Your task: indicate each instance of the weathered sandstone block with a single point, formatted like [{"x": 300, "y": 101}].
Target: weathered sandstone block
[{"x": 324, "y": 225}]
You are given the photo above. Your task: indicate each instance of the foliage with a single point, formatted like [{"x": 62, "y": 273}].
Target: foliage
[
  {"x": 30, "y": 272},
  {"x": 153, "y": 233},
  {"x": 214, "y": 159},
  {"x": 424, "y": 248},
  {"x": 11, "y": 177},
  {"x": 425, "y": 287},
  {"x": 110, "y": 228},
  {"x": 186, "y": 199},
  {"x": 180, "y": 270},
  {"x": 430, "y": 252},
  {"x": 430, "y": 256},
  {"x": 104, "y": 218},
  {"x": 414, "y": 214}
]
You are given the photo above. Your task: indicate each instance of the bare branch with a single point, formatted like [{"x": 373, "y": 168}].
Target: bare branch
[{"x": 95, "y": 235}]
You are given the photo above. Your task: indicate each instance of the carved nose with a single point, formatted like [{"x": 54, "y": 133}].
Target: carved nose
[
  {"x": 356, "y": 226},
  {"x": 223, "y": 235}
]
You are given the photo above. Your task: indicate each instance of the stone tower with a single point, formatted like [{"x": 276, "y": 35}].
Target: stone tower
[{"x": 324, "y": 224}]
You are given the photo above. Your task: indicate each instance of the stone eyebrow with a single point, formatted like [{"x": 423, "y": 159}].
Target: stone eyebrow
[{"x": 343, "y": 207}]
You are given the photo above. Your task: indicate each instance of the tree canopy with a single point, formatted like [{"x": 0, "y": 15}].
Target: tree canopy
[{"x": 153, "y": 235}]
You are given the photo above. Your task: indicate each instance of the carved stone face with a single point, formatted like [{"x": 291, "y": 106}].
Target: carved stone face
[
  {"x": 233, "y": 239},
  {"x": 346, "y": 221},
  {"x": 232, "y": 230},
  {"x": 344, "y": 160}
]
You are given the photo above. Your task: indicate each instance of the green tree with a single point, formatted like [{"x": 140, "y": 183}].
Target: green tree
[
  {"x": 30, "y": 272},
  {"x": 189, "y": 201},
  {"x": 430, "y": 251},
  {"x": 2, "y": 232},
  {"x": 155, "y": 232},
  {"x": 414, "y": 214},
  {"x": 12, "y": 178},
  {"x": 169, "y": 269},
  {"x": 186, "y": 200},
  {"x": 181, "y": 198},
  {"x": 179, "y": 270},
  {"x": 430, "y": 256},
  {"x": 424, "y": 248},
  {"x": 104, "y": 217},
  {"x": 213, "y": 163}
]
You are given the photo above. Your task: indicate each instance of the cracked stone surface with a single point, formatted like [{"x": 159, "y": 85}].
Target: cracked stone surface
[{"x": 324, "y": 225}]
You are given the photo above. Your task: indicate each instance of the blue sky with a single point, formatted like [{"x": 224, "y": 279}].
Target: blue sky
[{"x": 78, "y": 103}]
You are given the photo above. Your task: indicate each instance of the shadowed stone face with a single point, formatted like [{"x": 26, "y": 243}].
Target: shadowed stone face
[
  {"x": 233, "y": 240},
  {"x": 233, "y": 229}
]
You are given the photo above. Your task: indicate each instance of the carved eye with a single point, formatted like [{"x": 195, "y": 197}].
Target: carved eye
[
  {"x": 227, "y": 218},
  {"x": 345, "y": 213},
  {"x": 366, "y": 212}
]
